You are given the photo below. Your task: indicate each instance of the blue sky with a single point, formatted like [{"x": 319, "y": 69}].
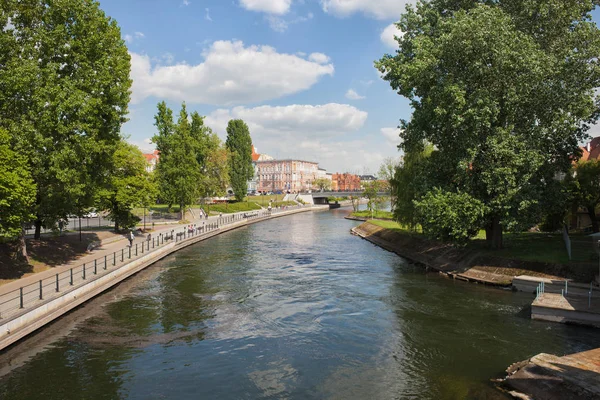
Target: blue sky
[{"x": 299, "y": 72}]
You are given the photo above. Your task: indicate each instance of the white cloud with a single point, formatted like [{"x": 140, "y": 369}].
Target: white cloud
[
  {"x": 392, "y": 135},
  {"x": 276, "y": 23},
  {"x": 130, "y": 38},
  {"x": 279, "y": 24},
  {"x": 294, "y": 121},
  {"x": 186, "y": 2},
  {"x": 145, "y": 145},
  {"x": 352, "y": 95},
  {"x": 207, "y": 16},
  {"x": 387, "y": 36},
  {"x": 278, "y": 7},
  {"x": 380, "y": 9},
  {"x": 230, "y": 74},
  {"x": 317, "y": 133},
  {"x": 319, "y": 58}
]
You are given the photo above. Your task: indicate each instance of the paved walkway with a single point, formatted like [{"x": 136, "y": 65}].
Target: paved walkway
[{"x": 25, "y": 293}]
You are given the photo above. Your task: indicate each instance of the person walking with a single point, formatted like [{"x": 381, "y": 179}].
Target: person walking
[{"x": 130, "y": 237}]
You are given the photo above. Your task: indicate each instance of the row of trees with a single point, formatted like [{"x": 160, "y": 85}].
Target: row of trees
[
  {"x": 64, "y": 95},
  {"x": 194, "y": 163},
  {"x": 502, "y": 94}
]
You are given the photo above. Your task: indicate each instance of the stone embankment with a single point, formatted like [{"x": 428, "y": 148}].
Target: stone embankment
[
  {"x": 549, "y": 377},
  {"x": 27, "y": 308},
  {"x": 446, "y": 259}
]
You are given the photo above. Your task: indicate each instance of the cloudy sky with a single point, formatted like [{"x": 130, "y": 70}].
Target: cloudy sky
[{"x": 299, "y": 72}]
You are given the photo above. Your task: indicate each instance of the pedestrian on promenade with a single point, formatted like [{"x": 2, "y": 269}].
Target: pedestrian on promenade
[
  {"x": 149, "y": 238},
  {"x": 130, "y": 237}
]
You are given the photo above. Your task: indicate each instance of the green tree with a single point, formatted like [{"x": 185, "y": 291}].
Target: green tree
[
  {"x": 17, "y": 193},
  {"x": 586, "y": 188},
  {"x": 178, "y": 170},
  {"x": 322, "y": 183},
  {"x": 64, "y": 91},
  {"x": 411, "y": 180},
  {"x": 371, "y": 193},
  {"x": 504, "y": 91},
  {"x": 387, "y": 171},
  {"x": 449, "y": 216},
  {"x": 128, "y": 186},
  {"x": 239, "y": 145},
  {"x": 212, "y": 158}
]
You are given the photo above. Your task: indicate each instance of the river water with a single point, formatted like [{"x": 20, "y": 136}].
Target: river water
[{"x": 292, "y": 308}]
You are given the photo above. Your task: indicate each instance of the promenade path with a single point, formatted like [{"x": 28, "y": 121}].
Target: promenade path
[{"x": 21, "y": 295}]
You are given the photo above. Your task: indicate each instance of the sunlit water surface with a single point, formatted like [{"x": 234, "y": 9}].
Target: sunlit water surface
[{"x": 293, "y": 308}]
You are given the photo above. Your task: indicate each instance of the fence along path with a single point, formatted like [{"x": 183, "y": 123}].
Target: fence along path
[{"x": 18, "y": 301}]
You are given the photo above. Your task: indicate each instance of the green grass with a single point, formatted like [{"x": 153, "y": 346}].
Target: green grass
[
  {"x": 231, "y": 207},
  {"x": 394, "y": 226},
  {"x": 376, "y": 214},
  {"x": 540, "y": 247},
  {"x": 525, "y": 246}
]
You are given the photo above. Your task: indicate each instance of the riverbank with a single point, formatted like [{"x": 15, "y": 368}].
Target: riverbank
[
  {"x": 546, "y": 376},
  {"x": 28, "y": 304},
  {"x": 458, "y": 263}
]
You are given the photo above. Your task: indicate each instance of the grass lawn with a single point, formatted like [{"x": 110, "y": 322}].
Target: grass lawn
[
  {"x": 542, "y": 247},
  {"x": 526, "y": 246},
  {"x": 231, "y": 207},
  {"x": 376, "y": 214}
]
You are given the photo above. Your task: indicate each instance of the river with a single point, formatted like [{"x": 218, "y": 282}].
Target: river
[{"x": 292, "y": 308}]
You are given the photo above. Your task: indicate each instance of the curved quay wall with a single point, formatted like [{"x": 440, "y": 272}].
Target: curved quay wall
[{"x": 19, "y": 321}]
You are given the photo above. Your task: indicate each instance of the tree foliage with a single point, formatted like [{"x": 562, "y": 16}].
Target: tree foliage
[
  {"x": 17, "y": 190},
  {"x": 410, "y": 182},
  {"x": 586, "y": 188},
  {"x": 128, "y": 186},
  {"x": 322, "y": 183},
  {"x": 449, "y": 216},
  {"x": 193, "y": 160},
  {"x": 64, "y": 91},
  {"x": 239, "y": 145},
  {"x": 504, "y": 90}
]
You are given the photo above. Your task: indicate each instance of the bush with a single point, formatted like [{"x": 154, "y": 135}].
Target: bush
[{"x": 449, "y": 216}]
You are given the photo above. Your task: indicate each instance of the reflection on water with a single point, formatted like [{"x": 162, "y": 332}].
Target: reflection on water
[{"x": 293, "y": 308}]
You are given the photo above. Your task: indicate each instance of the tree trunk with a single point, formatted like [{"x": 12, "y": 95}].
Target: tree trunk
[
  {"x": 38, "y": 229},
  {"x": 493, "y": 234},
  {"x": 22, "y": 249},
  {"x": 182, "y": 211},
  {"x": 592, "y": 214}
]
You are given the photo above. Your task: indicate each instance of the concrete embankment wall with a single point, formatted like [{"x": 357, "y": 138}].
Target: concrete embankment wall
[
  {"x": 30, "y": 319},
  {"x": 455, "y": 262}
]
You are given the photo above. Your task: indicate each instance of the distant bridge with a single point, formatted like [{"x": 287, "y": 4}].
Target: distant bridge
[{"x": 321, "y": 197}]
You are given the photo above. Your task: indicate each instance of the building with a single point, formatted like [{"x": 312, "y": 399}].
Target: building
[
  {"x": 253, "y": 182},
  {"x": 151, "y": 160},
  {"x": 345, "y": 182},
  {"x": 286, "y": 175},
  {"x": 580, "y": 218}
]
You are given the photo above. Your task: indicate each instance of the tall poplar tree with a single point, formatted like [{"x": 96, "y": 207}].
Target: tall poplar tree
[
  {"x": 505, "y": 91},
  {"x": 239, "y": 145},
  {"x": 64, "y": 91},
  {"x": 178, "y": 170}
]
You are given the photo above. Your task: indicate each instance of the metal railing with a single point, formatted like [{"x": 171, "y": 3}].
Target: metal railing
[{"x": 56, "y": 285}]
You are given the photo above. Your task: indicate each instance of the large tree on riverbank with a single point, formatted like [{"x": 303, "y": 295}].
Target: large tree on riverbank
[
  {"x": 129, "y": 185},
  {"x": 239, "y": 145},
  {"x": 64, "y": 91},
  {"x": 504, "y": 91}
]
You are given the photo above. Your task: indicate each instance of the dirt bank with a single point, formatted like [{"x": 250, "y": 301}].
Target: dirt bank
[{"x": 457, "y": 262}]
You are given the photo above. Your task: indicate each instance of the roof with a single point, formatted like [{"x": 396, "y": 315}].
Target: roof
[
  {"x": 591, "y": 151},
  {"x": 287, "y": 160}
]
